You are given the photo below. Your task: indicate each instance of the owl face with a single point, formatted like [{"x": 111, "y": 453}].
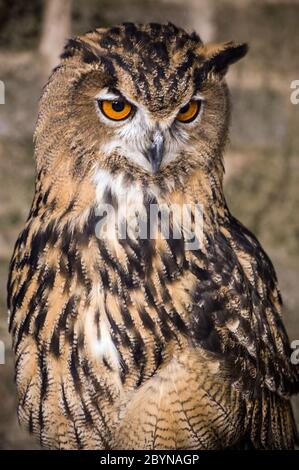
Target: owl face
[
  {"x": 147, "y": 138},
  {"x": 147, "y": 98}
]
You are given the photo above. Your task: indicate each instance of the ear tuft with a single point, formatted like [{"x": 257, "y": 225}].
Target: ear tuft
[
  {"x": 218, "y": 57},
  {"x": 231, "y": 54}
]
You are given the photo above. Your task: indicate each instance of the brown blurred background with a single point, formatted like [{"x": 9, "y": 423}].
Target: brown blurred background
[{"x": 262, "y": 177}]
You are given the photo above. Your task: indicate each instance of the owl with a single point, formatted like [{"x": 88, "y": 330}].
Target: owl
[{"x": 141, "y": 339}]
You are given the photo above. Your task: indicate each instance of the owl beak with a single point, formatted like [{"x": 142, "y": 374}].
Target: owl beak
[{"x": 155, "y": 151}]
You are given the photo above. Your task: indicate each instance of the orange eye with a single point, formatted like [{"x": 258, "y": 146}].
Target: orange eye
[
  {"x": 117, "y": 110},
  {"x": 189, "y": 112}
]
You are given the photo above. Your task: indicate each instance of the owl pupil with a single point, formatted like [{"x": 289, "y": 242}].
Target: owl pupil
[
  {"x": 185, "y": 108},
  {"x": 118, "y": 106}
]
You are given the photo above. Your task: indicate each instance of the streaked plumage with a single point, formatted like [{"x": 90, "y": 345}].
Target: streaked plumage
[{"x": 141, "y": 343}]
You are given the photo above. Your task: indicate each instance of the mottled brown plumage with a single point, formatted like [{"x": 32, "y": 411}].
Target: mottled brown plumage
[{"x": 142, "y": 343}]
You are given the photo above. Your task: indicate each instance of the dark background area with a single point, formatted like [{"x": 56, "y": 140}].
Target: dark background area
[{"x": 262, "y": 164}]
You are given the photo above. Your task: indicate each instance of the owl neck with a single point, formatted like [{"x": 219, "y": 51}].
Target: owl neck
[
  {"x": 83, "y": 203},
  {"x": 181, "y": 199}
]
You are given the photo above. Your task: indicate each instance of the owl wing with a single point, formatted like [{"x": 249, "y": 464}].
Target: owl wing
[
  {"x": 275, "y": 370},
  {"x": 238, "y": 317}
]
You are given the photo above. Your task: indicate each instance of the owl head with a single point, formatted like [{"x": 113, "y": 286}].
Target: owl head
[{"x": 148, "y": 101}]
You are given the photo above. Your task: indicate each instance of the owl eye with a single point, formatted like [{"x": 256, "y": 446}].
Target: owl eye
[
  {"x": 189, "y": 112},
  {"x": 117, "y": 110}
]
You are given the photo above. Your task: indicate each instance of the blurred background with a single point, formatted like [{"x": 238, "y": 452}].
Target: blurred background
[{"x": 262, "y": 164}]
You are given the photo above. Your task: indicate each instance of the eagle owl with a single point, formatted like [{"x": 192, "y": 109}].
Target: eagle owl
[{"x": 143, "y": 342}]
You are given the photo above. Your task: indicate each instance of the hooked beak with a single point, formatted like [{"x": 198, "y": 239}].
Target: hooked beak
[{"x": 156, "y": 150}]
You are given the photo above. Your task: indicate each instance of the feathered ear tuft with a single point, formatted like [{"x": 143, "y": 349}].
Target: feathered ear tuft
[{"x": 218, "y": 57}]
